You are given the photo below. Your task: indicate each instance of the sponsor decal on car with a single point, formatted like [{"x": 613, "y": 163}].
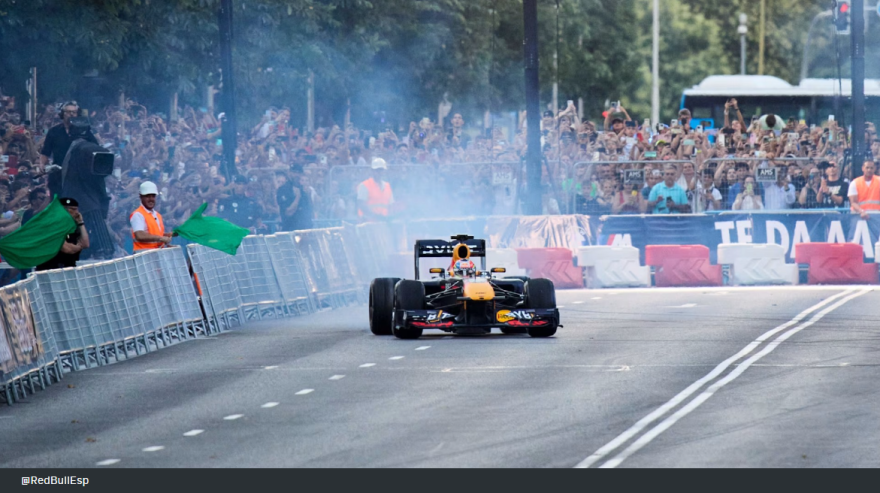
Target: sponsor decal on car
[
  {"x": 505, "y": 316},
  {"x": 435, "y": 317}
]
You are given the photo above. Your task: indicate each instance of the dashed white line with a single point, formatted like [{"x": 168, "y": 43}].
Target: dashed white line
[
  {"x": 578, "y": 302},
  {"x": 233, "y": 417},
  {"x": 269, "y": 405},
  {"x": 154, "y": 448},
  {"x": 560, "y": 306},
  {"x": 337, "y": 377},
  {"x": 422, "y": 348},
  {"x": 270, "y": 367},
  {"x": 394, "y": 358},
  {"x": 367, "y": 365},
  {"x": 192, "y": 433},
  {"x": 305, "y": 391},
  {"x": 596, "y": 298},
  {"x": 686, "y": 305},
  {"x": 108, "y": 462}
]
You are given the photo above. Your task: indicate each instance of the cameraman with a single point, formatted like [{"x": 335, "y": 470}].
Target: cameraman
[{"x": 57, "y": 143}]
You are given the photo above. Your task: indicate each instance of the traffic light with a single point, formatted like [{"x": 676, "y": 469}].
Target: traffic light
[{"x": 841, "y": 16}]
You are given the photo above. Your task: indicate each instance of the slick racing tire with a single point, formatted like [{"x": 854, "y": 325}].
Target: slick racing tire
[
  {"x": 408, "y": 295},
  {"x": 382, "y": 305},
  {"x": 540, "y": 293}
]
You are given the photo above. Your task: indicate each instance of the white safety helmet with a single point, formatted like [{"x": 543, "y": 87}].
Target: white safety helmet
[
  {"x": 379, "y": 163},
  {"x": 149, "y": 188}
]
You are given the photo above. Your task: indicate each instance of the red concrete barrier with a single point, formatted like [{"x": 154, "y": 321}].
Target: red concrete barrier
[
  {"x": 682, "y": 265},
  {"x": 835, "y": 263},
  {"x": 551, "y": 263}
]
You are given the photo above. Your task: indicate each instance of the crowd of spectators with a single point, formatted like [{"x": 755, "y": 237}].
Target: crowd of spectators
[{"x": 288, "y": 179}]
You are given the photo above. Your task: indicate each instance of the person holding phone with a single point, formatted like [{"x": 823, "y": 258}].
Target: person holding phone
[
  {"x": 667, "y": 197},
  {"x": 613, "y": 121},
  {"x": 737, "y": 125},
  {"x": 748, "y": 199}
]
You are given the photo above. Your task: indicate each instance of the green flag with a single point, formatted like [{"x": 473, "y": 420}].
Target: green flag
[
  {"x": 40, "y": 239},
  {"x": 212, "y": 232}
]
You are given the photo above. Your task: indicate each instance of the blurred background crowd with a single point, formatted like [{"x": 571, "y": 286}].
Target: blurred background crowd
[{"x": 443, "y": 168}]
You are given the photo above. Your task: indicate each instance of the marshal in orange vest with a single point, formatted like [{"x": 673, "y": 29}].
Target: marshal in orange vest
[
  {"x": 378, "y": 197},
  {"x": 869, "y": 195},
  {"x": 154, "y": 227}
]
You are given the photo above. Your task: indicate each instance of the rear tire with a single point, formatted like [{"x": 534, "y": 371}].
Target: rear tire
[
  {"x": 540, "y": 293},
  {"x": 408, "y": 295},
  {"x": 382, "y": 305}
]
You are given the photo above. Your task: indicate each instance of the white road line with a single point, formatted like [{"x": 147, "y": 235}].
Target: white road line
[
  {"x": 703, "y": 397},
  {"x": 192, "y": 433},
  {"x": 270, "y": 367},
  {"x": 233, "y": 417},
  {"x": 560, "y": 306},
  {"x": 154, "y": 448},
  {"x": 596, "y": 298},
  {"x": 269, "y": 405},
  {"x": 305, "y": 391},
  {"x": 694, "y": 387},
  {"x": 578, "y": 302},
  {"x": 337, "y": 377},
  {"x": 686, "y": 305},
  {"x": 422, "y": 348},
  {"x": 367, "y": 365},
  {"x": 394, "y": 358},
  {"x": 108, "y": 462}
]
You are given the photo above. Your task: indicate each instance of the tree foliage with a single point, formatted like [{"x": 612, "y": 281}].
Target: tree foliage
[{"x": 394, "y": 59}]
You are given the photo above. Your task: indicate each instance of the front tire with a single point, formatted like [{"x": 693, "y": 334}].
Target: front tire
[
  {"x": 382, "y": 305},
  {"x": 540, "y": 293},
  {"x": 408, "y": 295}
]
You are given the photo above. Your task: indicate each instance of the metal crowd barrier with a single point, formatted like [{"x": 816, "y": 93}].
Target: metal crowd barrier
[
  {"x": 28, "y": 352},
  {"x": 110, "y": 311},
  {"x": 285, "y": 274}
]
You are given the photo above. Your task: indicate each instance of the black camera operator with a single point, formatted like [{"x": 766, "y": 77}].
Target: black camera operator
[
  {"x": 82, "y": 175},
  {"x": 57, "y": 143}
]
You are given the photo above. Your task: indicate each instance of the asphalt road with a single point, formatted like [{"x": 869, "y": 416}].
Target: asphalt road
[{"x": 636, "y": 378}]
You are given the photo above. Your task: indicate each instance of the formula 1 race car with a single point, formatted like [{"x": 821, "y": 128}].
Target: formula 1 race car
[{"x": 462, "y": 299}]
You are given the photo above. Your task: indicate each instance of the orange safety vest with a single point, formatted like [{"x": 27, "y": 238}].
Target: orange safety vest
[
  {"x": 378, "y": 197},
  {"x": 153, "y": 227},
  {"x": 869, "y": 195}
]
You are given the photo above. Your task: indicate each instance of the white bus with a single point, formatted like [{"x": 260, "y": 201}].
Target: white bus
[{"x": 812, "y": 100}]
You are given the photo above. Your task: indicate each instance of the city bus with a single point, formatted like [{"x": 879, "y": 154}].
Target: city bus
[{"x": 812, "y": 100}]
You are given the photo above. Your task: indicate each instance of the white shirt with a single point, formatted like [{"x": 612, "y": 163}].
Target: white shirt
[
  {"x": 854, "y": 190},
  {"x": 776, "y": 197},
  {"x": 139, "y": 222},
  {"x": 700, "y": 203}
]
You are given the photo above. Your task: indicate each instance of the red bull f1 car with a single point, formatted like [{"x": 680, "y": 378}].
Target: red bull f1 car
[{"x": 463, "y": 299}]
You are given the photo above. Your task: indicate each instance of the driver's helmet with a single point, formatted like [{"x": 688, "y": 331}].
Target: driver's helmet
[{"x": 464, "y": 268}]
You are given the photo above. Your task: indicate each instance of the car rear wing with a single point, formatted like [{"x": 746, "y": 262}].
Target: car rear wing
[{"x": 442, "y": 248}]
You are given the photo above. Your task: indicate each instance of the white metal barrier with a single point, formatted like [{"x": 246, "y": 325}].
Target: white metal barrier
[
  {"x": 612, "y": 267},
  {"x": 504, "y": 257},
  {"x": 753, "y": 264},
  {"x": 109, "y": 311}
]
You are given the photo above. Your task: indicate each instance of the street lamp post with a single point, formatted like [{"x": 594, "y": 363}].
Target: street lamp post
[{"x": 742, "y": 30}]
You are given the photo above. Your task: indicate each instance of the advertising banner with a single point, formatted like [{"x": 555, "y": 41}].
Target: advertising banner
[{"x": 786, "y": 229}]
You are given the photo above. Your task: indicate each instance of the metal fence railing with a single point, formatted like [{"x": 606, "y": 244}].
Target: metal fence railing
[{"x": 109, "y": 311}]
